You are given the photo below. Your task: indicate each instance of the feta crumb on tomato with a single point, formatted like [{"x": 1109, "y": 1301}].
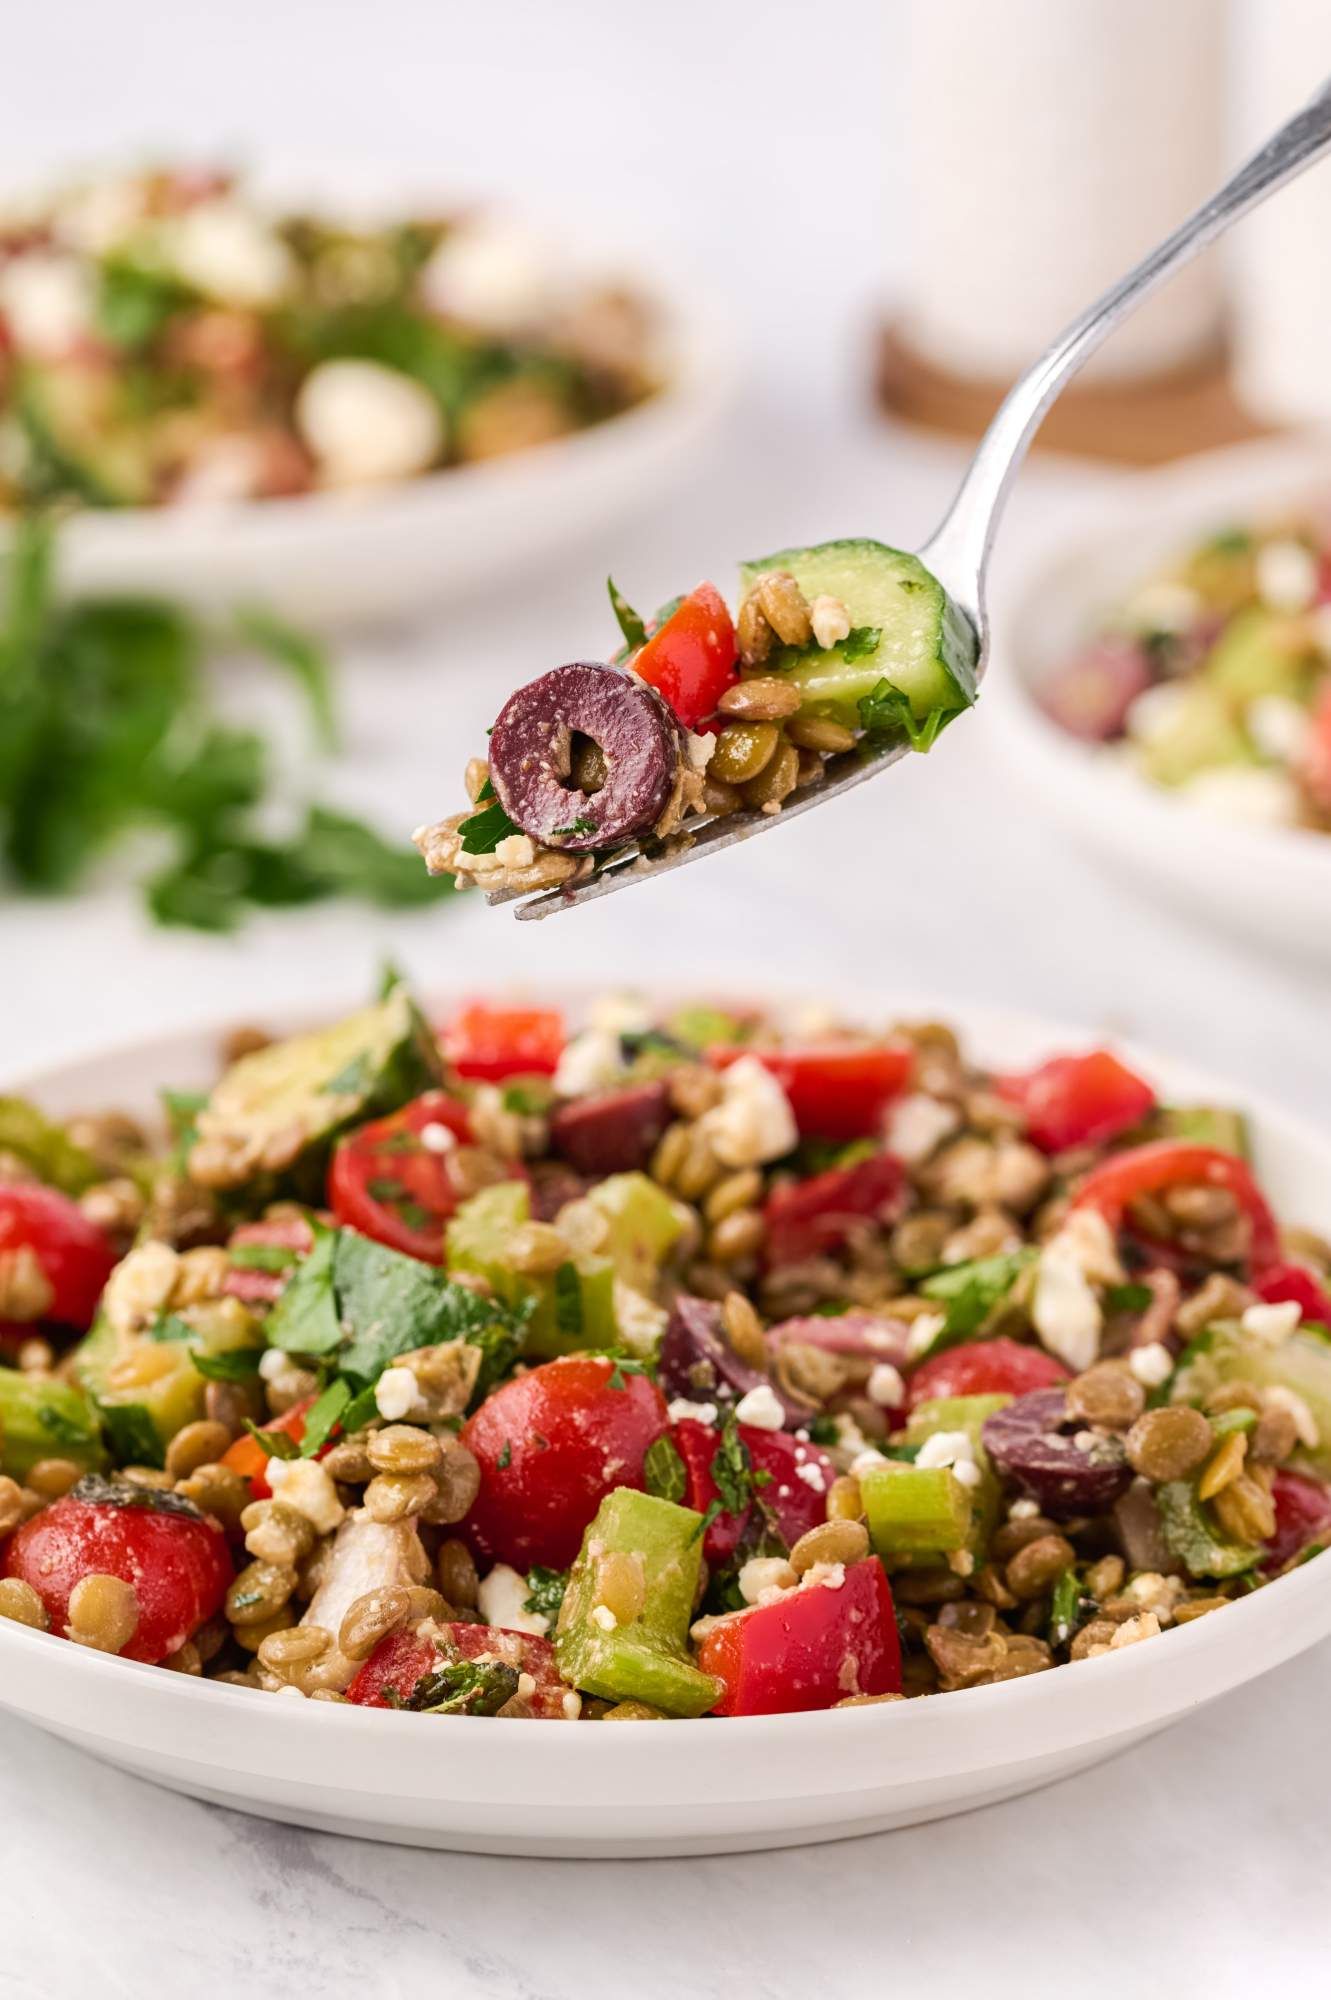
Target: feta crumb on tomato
[
  {"x": 502, "y": 1599},
  {"x": 681, "y": 1410},
  {"x": 437, "y": 1138},
  {"x": 641, "y": 1323},
  {"x": 365, "y": 423},
  {"x": 761, "y": 1409},
  {"x": 812, "y": 1475},
  {"x": 764, "y": 1577},
  {"x": 753, "y": 1122}
]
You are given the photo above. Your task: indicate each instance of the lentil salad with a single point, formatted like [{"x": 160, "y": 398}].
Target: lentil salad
[{"x": 687, "y": 1364}]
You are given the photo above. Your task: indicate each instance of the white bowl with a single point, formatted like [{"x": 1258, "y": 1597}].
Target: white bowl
[
  {"x": 687, "y": 1787},
  {"x": 1258, "y": 883}
]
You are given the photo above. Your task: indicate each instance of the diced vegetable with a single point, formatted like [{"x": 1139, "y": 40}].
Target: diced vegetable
[
  {"x": 915, "y": 1509},
  {"x": 390, "y": 1179},
  {"x": 817, "y": 1217},
  {"x": 71, "y": 1260},
  {"x": 815, "y": 1647},
  {"x": 1303, "y": 1517},
  {"x": 146, "y": 1386},
  {"x": 691, "y": 659},
  {"x": 1078, "y": 1100},
  {"x": 1171, "y": 1163},
  {"x": 1192, "y": 1537},
  {"x": 1301, "y": 1364},
  {"x": 645, "y": 1657},
  {"x": 43, "y": 1417},
  {"x": 838, "y": 1091},
  {"x": 781, "y": 1489},
  {"x": 572, "y": 1308},
  {"x": 437, "y": 1675},
  {"x": 491, "y": 1043},
  {"x": 982, "y": 1368}
]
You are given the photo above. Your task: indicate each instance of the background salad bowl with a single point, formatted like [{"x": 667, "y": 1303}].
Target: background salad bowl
[
  {"x": 691, "y": 1787},
  {"x": 1269, "y": 884}
]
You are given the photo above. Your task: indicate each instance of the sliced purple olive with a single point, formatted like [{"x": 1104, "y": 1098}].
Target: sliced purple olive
[
  {"x": 698, "y": 1362},
  {"x": 1067, "y": 1468},
  {"x": 545, "y": 730},
  {"x": 614, "y": 1133},
  {"x": 868, "y": 1336}
]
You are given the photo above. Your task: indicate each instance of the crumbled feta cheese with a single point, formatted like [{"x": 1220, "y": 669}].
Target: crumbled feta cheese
[
  {"x": 1286, "y": 576},
  {"x": 515, "y": 850},
  {"x": 396, "y": 1394},
  {"x": 640, "y": 1321},
  {"x": 1024, "y": 1509},
  {"x": 436, "y": 1138},
  {"x": 496, "y": 275},
  {"x": 1085, "y": 1440},
  {"x": 812, "y": 1475},
  {"x": 1153, "y": 1592},
  {"x": 502, "y": 1597},
  {"x": 823, "y": 1576},
  {"x": 753, "y": 1123},
  {"x": 761, "y": 1408},
  {"x": 867, "y": 1461},
  {"x": 274, "y": 1363},
  {"x": 830, "y": 620},
  {"x": 1157, "y": 711},
  {"x": 620, "y": 1014},
  {"x": 365, "y": 422},
  {"x": 46, "y": 301},
  {"x": 1144, "y": 1626},
  {"x": 1272, "y": 1324},
  {"x": 700, "y": 750},
  {"x": 526, "y": 1687},
  {"x": 593, "y": 1060},
  {"x": 583, "y": 1226},
  {"x": 762, "y": 1574},
  {"x": 303, "y": 1484},
  {"x": 140, "y": 1287},
  {"x": 1244, "y": 793},
  {"x": 924, "y": 1331},
  {"x": 965, "y": 1473},
  {"x": 1279, "y": 727},
  {"x": 917, "y": 1124},
  {"x": 1152, "y": 1365},
  {"x": 885, "y": 1386},
  {"x": 1279, "y": 1397},
  {"x": 960, "y": 1561},
  {"x": 230, "y": 254},
  {"x": 571, "y": 1705},
  {"x": 950, "y": 1448},
  {"x": 604, "y": 1617},
  {"x": 1065, "y": 1310},
  {"x": 681, "y": 1410}
]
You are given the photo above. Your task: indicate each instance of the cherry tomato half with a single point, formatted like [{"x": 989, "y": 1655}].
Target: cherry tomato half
[
  {"x": 75, "y": 1258},
  {"x": 390, "y": 1179},
  {"x": 1295, "y": 1281},
  {"x": 984, "y": 1368},
  {"x": 691, "y": 659},
  {"x": 817, "y": 1217},
  {"x": 1303, "y": 1515},
  {"x": 490, "y": 1043},
  {"x": 551, "y": 1444},
  {"x": 1078, "y": 1100},
  {"x": 839, "y": 1091},
  {"x": 178, "y": 1563},
  {"x": 398, "y": 1662}
]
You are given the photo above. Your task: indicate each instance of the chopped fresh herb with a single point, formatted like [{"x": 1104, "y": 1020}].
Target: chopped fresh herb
[
  {"x": 635, "y": 632},
  {"x": 464, "y": 1687},
  {"x": 824, "y": 1430},
  {"x": 170, "y": 1326},
  {"x": 273, "y": 1444},
  {"x": 482, "y": 833},
  {"x": 971, "y": 1292},
  {"x": 305, "y": 1319},
  {"x": 505, "y": 1458},
  {"x": 525, "y": 1099},
  {"x": 261, "y": 1257},
  {"x": 568, "y": 1302},
  {"x": 859, "y": 642},
  {"x": 237, "y": 1364},
  {"x": 663, "y": 1472},
  {"x": 545, "y": 1590},
  {"x": 579, "y": 825},
  {"x": 1128, "y": 1298},
  {"x": 732, "y": 1468},
  {"x": 131, "y": 1434},
  {"x": 323, "y": 1415},
  {"x": 352, "y": 1080},
  {"x": 63, "y": 1429},
  {"x": 1069, "y": 1608},
  {"x": 886, "y": 715}
]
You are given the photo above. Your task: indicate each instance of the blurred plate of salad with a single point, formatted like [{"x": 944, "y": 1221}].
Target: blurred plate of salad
[{"x": 232, "y": 392}]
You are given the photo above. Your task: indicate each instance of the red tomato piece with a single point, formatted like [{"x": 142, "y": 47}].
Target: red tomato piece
[
  {"x": 247, "y": 1457},
  {"x": 256, "y": 1283},
  {"x": 1078, "y": 1100},
  {"x": 390, "y": 1180},
  {"x": 1295, "y": 1281},
  {"x": 399, "y": 1661},
  {"x": 179, "y": 1565},
  {"x": 490, "y": 1043},
  {"x": 1169, "y": 1163},
  {"x": 551, "y": 1444},
  {"x": 818, "y": 1216},
  {"x": 790, "y": 1501},
  {"x": 76, "y": 1259},
  {"x": 1303, "y": 1515},
  {"x": 811, "y": 1649},
  {"x": 839, "y": 1091},
  {"x": 984, "y": 1368},
  {"x": 692, "y": 659}
]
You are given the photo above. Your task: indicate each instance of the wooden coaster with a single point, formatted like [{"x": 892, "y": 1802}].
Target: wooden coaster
[{"x": 1136, "y": 423}]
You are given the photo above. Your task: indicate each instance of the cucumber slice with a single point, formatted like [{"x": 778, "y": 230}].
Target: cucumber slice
[
  {"x": 1302, "y": 1364},
  {"x": 925, "y": 647},
  {"x": 146, "y": 1389}
]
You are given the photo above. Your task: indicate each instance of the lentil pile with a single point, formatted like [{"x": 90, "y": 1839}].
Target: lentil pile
[{"x": 684, "y": 1364}]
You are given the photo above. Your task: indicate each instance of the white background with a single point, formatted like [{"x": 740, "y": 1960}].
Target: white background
[{"x": 756, "y": 141}]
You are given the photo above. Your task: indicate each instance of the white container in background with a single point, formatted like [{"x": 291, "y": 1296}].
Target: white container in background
[
  {"x": 1049, "y": 144},
  {"x": 1281, "y": 255}
]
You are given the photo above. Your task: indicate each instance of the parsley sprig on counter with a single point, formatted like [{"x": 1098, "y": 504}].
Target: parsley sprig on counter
[{"x": 107, "y": 729}]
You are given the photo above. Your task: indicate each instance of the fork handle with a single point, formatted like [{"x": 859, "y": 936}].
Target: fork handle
[{"x": 962, "y": 544}]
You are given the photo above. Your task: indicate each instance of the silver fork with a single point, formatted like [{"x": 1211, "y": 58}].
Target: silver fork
[{"x": 958, "y": 551}]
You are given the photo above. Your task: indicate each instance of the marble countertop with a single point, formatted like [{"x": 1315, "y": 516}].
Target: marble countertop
[{"x": 1197, "y": 1861}]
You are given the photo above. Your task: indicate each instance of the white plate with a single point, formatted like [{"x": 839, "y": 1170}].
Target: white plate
[
  {"x": 682, "y": 1787},
  {"x": 1268, "y": 884}
]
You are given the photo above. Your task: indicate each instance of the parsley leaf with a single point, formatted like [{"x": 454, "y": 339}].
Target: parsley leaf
[
  {"x": 545, "y": 1590},
  {"x": 663, "y": 1471},
  {"x": 464, "y": 1687},
  {"x": 635, "y": 632},
  {"x": 886, "y": 715},
  {"x": 482, "y": 833},
  {"x": 305, "y": 1319},
  {"x": 970, "y": 1292},
  {"x": 236, "y": 1364},
  {"x": 273, "y": 1444},
  {"x": 323, "y": 1416},
  {"x": 859, "y": 642},
  {"x": 568, "y": 1302}
]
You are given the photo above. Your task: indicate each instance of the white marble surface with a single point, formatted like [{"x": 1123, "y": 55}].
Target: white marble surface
[{"x": 1198, "y": 1859}]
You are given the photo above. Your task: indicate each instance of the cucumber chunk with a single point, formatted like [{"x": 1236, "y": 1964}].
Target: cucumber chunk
[
  {"x": 925, "y": 647},
  {"x": 146, "y": 1387},
  {"x": 42, "y": 1417}
]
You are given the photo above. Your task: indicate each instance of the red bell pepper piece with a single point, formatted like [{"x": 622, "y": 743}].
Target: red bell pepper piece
[
  {"x": 248, "y": 1457},
  {"x": 838, "y": 1091},
  {"x": 817, "y": 1217},
  {"x": 490, "y": 1043},
  {"x": 791, "y": 1496},
  {"x": 1295, "y": 1281},
  {"x": 1170, "y": 1163},
  {"x": 811, "y": 1649},
  {"x": 1314, "y": 768},
  {"x": 1077, "y": 1100},
  {"x": 1303, "y": 1515},
  {"x": 692, "y": 658}
]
